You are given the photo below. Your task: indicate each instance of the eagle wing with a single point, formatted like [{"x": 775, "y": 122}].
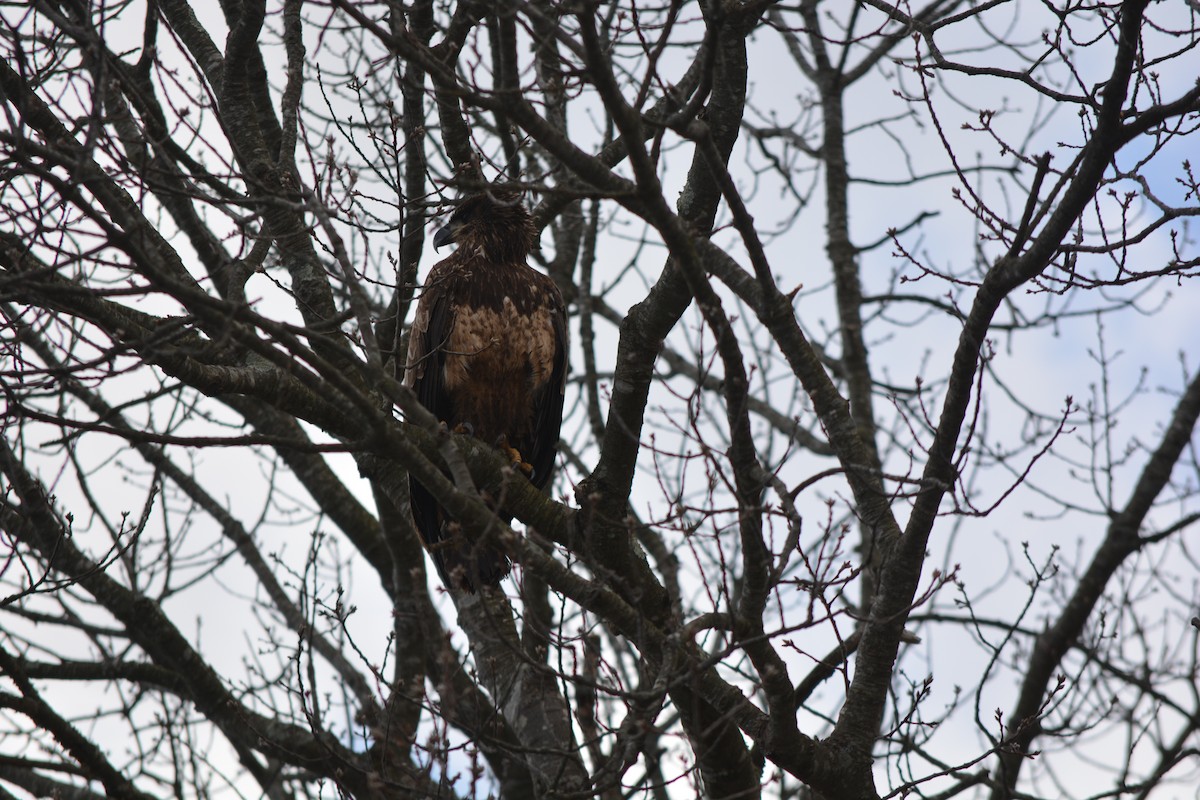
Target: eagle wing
[
  {"x": 548, "y": 401},
  {"x": 426, "y": 358},
  {"x": 423, "y": 374}
]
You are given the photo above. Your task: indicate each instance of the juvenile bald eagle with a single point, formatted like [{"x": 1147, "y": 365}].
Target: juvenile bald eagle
[{"x": 487, "y": 354}]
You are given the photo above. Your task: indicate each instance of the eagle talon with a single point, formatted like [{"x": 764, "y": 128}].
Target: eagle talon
[
  {"x": 514, "y": 456},
  {"x": 519, "y": 463}
]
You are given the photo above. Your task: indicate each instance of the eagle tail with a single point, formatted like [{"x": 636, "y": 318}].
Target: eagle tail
[
  {"x": 469, "y": 565},
  {"x": 459, "y": 561}
]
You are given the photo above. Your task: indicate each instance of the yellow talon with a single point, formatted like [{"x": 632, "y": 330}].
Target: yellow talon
[{"x": 514, "y": 456}]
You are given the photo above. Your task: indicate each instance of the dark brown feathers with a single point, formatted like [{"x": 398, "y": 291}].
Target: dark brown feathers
[
  {"x": 487, "y": 353},
  {"x": 493, "y": 226}
]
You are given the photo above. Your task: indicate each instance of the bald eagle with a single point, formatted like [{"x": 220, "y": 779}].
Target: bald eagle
[{"x": 488, "y": 355}]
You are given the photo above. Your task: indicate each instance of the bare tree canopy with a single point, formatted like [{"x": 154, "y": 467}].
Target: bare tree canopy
[{"x": 878, "y": 475}]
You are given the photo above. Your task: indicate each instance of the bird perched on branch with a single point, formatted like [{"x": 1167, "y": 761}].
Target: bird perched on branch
[{"x": 487, "y": 355}]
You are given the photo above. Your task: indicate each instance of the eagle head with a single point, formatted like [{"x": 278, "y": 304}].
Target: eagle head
[{"x": 492, "y": 224}]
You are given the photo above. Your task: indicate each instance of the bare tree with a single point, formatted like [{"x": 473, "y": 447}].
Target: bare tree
[{"x": 879, "y": 473}]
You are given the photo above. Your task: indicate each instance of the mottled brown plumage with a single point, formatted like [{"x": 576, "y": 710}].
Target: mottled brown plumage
[{"x": 487, "y": 353}]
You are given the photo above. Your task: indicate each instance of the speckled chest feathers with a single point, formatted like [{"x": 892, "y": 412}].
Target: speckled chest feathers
[{"x": 500, "y": 348}]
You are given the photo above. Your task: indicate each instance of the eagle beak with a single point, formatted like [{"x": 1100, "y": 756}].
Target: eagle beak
[{"x": 443, "y": 237}]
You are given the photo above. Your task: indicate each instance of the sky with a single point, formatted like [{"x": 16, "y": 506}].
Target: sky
[{"x": 1040, "y": 368}]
